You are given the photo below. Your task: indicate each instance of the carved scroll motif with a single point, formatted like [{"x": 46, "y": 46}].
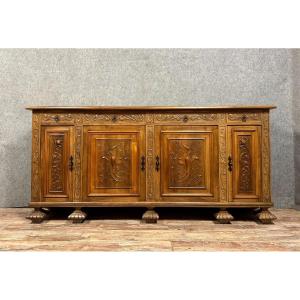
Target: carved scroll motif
[
  {"x": 78, "y": 118},
  {"x": 245, "y": 182},
  {"x": 223, "y": 163},
  {"x": 57, "y": 117},
  {"x": 265, "y": 158},
  {"x": 36, "y": 182},
  {"x": 56, "y": 164},
  {"x": 190, "y": 117},
  {"x": 150, "y": 167},
  {"x": 243, "y": 117},
  {"x": 114, "y": 117},
  {"x": 77, "y": 179}
]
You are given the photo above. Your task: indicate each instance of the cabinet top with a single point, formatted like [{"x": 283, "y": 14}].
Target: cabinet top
[{"x": 151, "y": 108}]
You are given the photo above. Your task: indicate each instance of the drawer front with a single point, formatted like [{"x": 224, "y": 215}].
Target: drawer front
[{"x": 244, "y": 118}]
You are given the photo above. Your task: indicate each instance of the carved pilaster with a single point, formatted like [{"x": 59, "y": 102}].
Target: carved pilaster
[
  {"x": 77, "y": 169},
  {"x": 222, "y": 163},
  {"x": 35, "y": 168},
  {"x": 149, "y": 118},
  {"x": 265, "y": 158},
  {"x": 150, "y": 157},
  {"x": 222, "y": 119}
]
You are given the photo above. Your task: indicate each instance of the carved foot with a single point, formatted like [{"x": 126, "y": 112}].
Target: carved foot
[
  {"x": 223, "y": 216},
  {"x": 265, "y": 217},
  {"x": 150, "y": 216},
  {"x": 37, "y": 216},
  {"x": 77, "y": 216}
]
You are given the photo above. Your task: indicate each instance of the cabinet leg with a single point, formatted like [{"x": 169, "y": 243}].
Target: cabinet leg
[
  {"x": 37, "y": 216},
  {"x": 265, "y": 217},
  {"x": 150, "y": 216},
  {"x": 223, "y": 216},
  {"x": 77, "y": 216}
]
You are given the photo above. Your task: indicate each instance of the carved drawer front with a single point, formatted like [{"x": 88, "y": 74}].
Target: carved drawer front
[
  {"x": 114, "y": 162},
  {"x": 244, "y": 163},
  {"x": 245, "y": 117},
  {"x": 57, "y": 163},
  {"x": 185, "y": 118},
  {"x": 187, "y": 158}
]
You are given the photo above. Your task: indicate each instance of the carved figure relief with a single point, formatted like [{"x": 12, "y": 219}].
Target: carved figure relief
[
  {"x": 245, "y": 180},
  {"x": 186, "y": 163},
  {"x": 57, "y": 163},
  {"x": 113, "y": 163}
]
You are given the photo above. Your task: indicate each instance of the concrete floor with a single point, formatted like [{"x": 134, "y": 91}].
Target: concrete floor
[{"x": 177, "y": 230}]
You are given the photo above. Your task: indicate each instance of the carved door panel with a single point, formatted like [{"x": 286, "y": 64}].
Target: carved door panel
[
  {"x": 186, "y": 163},
  {"x": 244, "y": 163},
  {"x": 114, "y": 161},
  {"x": 57, "y": 163}
]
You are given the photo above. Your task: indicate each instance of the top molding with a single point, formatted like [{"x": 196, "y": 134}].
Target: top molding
[{"x": 152, "y": 108}]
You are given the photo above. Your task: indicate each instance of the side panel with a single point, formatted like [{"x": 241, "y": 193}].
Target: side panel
[
  {"x": 245, "y": 160},
  {"x": 57, "y": 163}
]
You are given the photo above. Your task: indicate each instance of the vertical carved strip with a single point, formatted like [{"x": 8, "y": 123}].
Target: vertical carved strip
[
  {"x": 57, "y": 163},
  {"x": 35, "y": 167},
  {"x": 265, "y": 157},
  {"x": 245, "y": 174},
  {"x": 77, "y": 179},
  {"x": 222, "y": 163},
  {"x": 149, "y": 169}
]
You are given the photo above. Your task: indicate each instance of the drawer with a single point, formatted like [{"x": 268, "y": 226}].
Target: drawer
[{"x": 244, "y": 117}]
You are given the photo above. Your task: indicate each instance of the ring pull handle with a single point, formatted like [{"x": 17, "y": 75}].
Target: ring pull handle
[
  {"x": 157, "y": 163},
  {"x": 230, "y": 164},
  {"x": 71, "y": 164},
  {"x": 143, "y": 163},
  {"x": 185, "y": 118}
]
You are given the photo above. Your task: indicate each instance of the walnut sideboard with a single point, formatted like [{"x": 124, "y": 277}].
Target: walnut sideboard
[{"x": 151, "y": 157}]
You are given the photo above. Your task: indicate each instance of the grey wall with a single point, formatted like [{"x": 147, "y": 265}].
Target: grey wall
[
  {"x": 141, "y": 77},
  {"x": 296, "y": 111}
]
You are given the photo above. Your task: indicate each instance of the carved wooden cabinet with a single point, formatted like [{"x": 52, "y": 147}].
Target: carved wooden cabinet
[{"x": 151, "y": 157}]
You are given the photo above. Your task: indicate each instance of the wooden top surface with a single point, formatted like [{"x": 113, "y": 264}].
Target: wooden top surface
[{"x": 151, "y": 108}]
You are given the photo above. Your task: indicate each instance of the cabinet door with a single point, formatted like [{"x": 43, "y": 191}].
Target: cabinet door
[
  {"x": 187, "y": 163},
  {"x": 57, "y": 163},
  {"x": 244, "y": 163},
  {"x": 114, "y": 159}
]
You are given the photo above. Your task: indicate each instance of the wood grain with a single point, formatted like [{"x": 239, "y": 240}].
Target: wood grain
[{"x": 122, "y": 230}]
